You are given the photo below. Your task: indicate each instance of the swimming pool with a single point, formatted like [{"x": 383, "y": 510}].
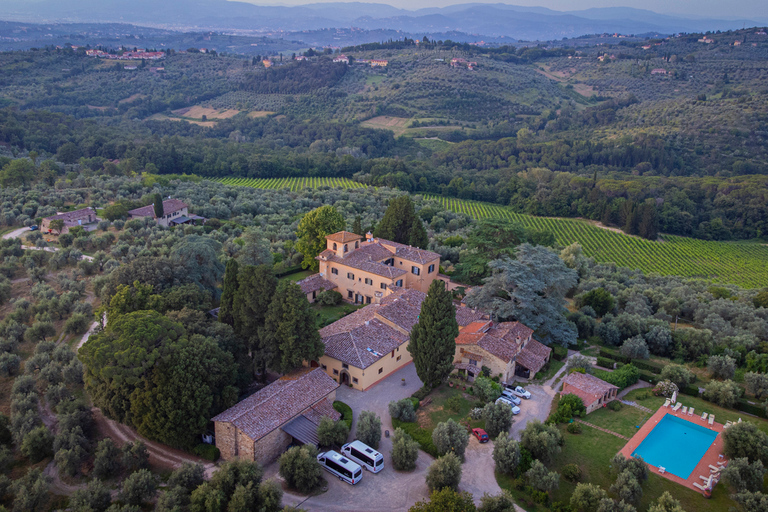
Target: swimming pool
[{"x": 676, "y": 445}]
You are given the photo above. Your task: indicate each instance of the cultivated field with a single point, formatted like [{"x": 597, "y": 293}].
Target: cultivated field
[
  {"x": 197, "y": 112},
  {"x": 291, "y": 183},
  {"x": 398, "y": 125},
  {"x": 741, "y": 263}
]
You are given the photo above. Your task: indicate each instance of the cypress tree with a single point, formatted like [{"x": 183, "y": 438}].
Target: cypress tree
[
  {"x": 291, "y": 335},
  {"x": 433, "y": 338},
  {"x": 256, "y": 287},
  {"x": 418, "y": 236},
  {"x": 158, "y": 203},
  {"x": 228, "y": 291},
  {"x": 357, "y": 226},
  {"x": 398, "y": 221}
]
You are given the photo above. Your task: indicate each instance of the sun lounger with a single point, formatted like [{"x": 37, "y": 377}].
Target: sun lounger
[
  {"x": 711, "y": 419},
  {"x": 690, "y": 411},
  {"x": 677, "y": 406},
  {"x": 715, "y": 468},
  {"x": 699, "y": 486},
  {"x": 727, "y": 424},
  {"x": 685, "y": 410},
  {"x": 703, "y": 416},
  {"x": 705, "y": 478},
  {"x": 662, "y": 469},
  {"x": 739, "y": 420},
  {"x": 666, "y": 404}
]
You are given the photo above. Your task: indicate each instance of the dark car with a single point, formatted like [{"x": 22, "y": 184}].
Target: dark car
[
  {"x": 480, "y": 435},
  {"x": 33, "y": 228}
]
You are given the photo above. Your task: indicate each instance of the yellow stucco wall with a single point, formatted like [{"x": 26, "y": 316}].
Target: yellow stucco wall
[
  {"x": 370, "y": 376},
  {"x": 497, "y": 366}
]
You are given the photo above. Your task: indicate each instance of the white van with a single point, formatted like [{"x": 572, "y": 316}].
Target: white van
[
  {"x": 364, "y": 455},
  {"x": 342, "y": 467}
]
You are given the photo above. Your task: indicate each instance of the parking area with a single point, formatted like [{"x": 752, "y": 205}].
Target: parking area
[{"x": 537, "y": 407}]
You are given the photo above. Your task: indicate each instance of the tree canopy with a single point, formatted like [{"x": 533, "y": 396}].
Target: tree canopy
[
  {"x": 312, "y": 230},
  {"x": 401, "y": 224}
]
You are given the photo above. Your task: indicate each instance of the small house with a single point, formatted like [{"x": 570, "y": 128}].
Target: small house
[
  {"x": 85, "y": 217},
  {"x": 594, "y": 392}
]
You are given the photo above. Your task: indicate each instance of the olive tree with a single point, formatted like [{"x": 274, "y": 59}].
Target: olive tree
[
  {"x": 404, "y": 452},
  {"x": 444, "y": 472},
  {"x": 506, "y": 454},
  {"x": 450, "y": 437}
]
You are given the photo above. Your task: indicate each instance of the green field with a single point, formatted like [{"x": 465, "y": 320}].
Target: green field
[
  {"x": 741, "y": 263},
  {"x": 291, "y": 183}
]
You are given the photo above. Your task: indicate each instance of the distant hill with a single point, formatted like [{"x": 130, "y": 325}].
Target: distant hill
[{"x": 530, "y": 23}]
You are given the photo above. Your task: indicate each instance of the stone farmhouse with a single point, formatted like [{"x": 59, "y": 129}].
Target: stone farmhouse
[
  {"x": 175, "y": 212},
  {"x": 594, "y": 392},
  {"x": 262, "y": 426},
  {"x": 507, "y": 348},
  {"x": 366, "y": 271},
  {"x": 86, "y": 218},
  {"x": 370, "y": 344}
]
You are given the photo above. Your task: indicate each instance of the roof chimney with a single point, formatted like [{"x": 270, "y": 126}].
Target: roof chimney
[{"x": 369, "y": 237}]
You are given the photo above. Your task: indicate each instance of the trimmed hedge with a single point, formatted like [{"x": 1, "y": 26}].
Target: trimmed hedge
[
  {"x": 422, "y": 393},
  {"x": 559, "y": 352},
  {"x": 639, "y": 363},
  {"x": 346, "y": 412},
  {"x": 646, "y": 365},
  {"x": 690, "y": 390},
  {"x": 207, "y": 452},
  {"x": 605, "y": 362},
  {"x": 420, "y": 435},
  {"x": 650, "y": 378},
  {"x": 614, "y": 355},
  {"x": 753, "y": 409}
]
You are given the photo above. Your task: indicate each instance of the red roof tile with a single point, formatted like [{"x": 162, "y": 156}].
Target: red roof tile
[
  {"x": 343, "y": 237},
  {"x": 315, "y": 283},
  {"x": 169, "y": 206}
]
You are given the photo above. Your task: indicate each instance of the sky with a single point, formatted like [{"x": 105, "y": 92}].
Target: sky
[{"x": 724, "y": 9}]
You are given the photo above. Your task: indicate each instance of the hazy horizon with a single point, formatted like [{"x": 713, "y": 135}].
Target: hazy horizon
[{"x": 749, "y": 9}]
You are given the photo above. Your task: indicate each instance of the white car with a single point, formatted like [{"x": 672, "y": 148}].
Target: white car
[
  {"x": 505, "y": 400},
  {"x": 510, "y": 395},
  {"x": 521, "y": 392}
]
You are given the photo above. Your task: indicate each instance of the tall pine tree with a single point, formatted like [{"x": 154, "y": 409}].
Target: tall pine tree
[
  {"x": 433, "y": 338},
  {"x": 228, "y": 291},
  {"x": 357, "y": 226},
  {"x": 291, "y": 335},
  {"x": 256, "y": 287},
  {"x": 401, "y": 224}
]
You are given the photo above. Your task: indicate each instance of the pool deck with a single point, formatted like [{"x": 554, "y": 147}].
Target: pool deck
[{"x": 712, "y": 456}]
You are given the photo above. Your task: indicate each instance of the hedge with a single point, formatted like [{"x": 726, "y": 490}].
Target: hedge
[
  {"x": 650, "y": 378},
  {"x": 420, "y": 435},
  {"x": 753, "y": 409},
  {"x": 639, "y": 363},
  {"x": 207, "y": 452},
  {"x": 690, "y": 390},
  {"x": 614, "y": 355},
  {"x": 605, "y": 362},
  {"x": 422, "y": 393},
  {"x": 346, "y": 412},
  {"x": 559, "y": 352},
  {"x": 647, "y": 365}
]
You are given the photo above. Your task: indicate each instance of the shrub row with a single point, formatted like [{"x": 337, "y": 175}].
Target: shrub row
[
  {"x": 346, "y": 412},
  {"x": 650, "y": 378},
  {"x": 690, "y": 390},
  {"x": 646, "y": 365},
  {"x": 420, "y": 435},
  {"x": 614, "y": 355},
  {"x": 756, "y": 410},
  {"x": 422, "y": 393},
  {"x": 639, "y": 363},
  {"x": 605, "y": 362}
]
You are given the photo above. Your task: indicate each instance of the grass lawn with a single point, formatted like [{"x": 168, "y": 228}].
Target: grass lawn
[
  {"x": 326, "y": 315},
  {"x": 624, "y": 421},
  {"x": 552, "y": 368},
  {"x": 298, "y": 276},
  {"x": 591, "y": 352},
  {"x": 437, "y": 412},
  {"x": 700, "y": 405}
]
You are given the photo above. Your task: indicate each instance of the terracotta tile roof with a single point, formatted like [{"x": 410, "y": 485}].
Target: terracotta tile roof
[
  {"x": 502, "y": 340},
  {"x": 366, "y": 259},
  {"x": 274, "y": 405},
  {"x": 169, "y": 206},
  {"x": 407, "y": 252},
  {"x": 343, "y": 237},
  {"x": 499, "y": 347},
  {"x": 471, "y": 355},
  {"x": 73, "y": 216},
  {"x": 466, "y": 316},
  {"x": 315, "y": 283},
  {"x": 588, "y": 387},
  {"x": 321, "y": 409},
  {"x": 402, "y": 308},
  {"x": 534, "y": 356},
  {"x": 468, "y": 367}
]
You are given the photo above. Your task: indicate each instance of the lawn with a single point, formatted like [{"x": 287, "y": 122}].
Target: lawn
[
  {"x": 550, "y": 370},
  {"x": 326, "y": 315},
  {"x": 624, "y": 422},
  {"x": 298, "y": 276}
]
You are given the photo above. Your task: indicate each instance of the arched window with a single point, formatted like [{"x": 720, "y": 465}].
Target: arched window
[{"x": 334, "y": 246}]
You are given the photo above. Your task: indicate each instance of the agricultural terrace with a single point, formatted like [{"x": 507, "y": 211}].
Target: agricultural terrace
[
  {"x": 741, "y": 263},
  {"x": 290, "y": 183}
]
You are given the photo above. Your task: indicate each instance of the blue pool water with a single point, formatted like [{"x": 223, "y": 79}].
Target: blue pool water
[{"x": 676, "y": 444}]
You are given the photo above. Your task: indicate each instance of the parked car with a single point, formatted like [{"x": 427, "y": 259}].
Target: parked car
[
  {"x": 510, "y": 395},
  {"x": 480, "y": 435},
  {"x": 33, "y": 228},
  {"x": 521, "y": 392}
]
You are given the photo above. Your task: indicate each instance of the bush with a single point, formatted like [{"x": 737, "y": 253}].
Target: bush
[
  {"x": 498, "y": 418},
  {"x": 138, "y": 487},
  {"x": 722, "y": 367},
  {"x": 329, "y": 298},
  {"x": 405, "y": 451},
  {"x": 574, "y": 428},
  {"x": 559, "y": 353},
  {"x": 422, "y": 393},
  {"x": 37, "y": 444},
  {"x": 623, "y": 377},
  {"x": 569, "y": 406},
  {"x": 9, "y": 364},
  {"x": 665, "y": 388},
  {"x": 572, "y": 472},
  {"x": 614, "y": 405},
  {"x": 724, "y": 394},
  {"x": 444, "y": 472},
  {"x": 647, "y": 365},
  {"x": 755, "y": 410},
  {"x": 543, "y": 441},
  {"x": 453, "y": 404},
  {"x": 690, "y": 390},
  {"x": 678, "y": 374},
  {"x": 346, "y": 412},
  {"x": 605, "y": 363},
  {"x": 332, "y": 433},
  {"x": 487, "y": 390},
  {"x": 369, "y": 429},
  {"x": 608, "y": 354},
  {"x": 207, "y": 452},
  {"x": 450, "y": 437},
  {"x": 107, "y": 463},
  {"x": 635, "y": 348},
  {"x": 300, "y": 469},
  {"x": 506, "y": 454}
]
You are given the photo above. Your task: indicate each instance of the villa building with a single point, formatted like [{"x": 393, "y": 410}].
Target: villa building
[
  {"x": 370, "y": 344},
  {"x": 507, "y": 349},
  {"x": 262, "y": 426},
  {"x": 594, "y": 392},
  {"x": 175, "y": 212},
  {"x": 366, "y": 271},
  {"x": 86, "y": 218}
]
